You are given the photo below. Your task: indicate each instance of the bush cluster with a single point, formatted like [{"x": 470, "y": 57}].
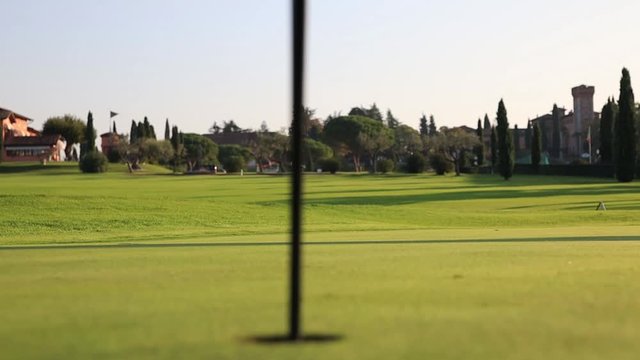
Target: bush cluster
[
  {"x": 415, "y": 164},
  {"x": 234, "y": 164},
  {"x": 329, "y": 165},
  {"x": 439, "y": 163},
  {"x": 93, "y": 162},
  {"x": 385, "y": 165}
]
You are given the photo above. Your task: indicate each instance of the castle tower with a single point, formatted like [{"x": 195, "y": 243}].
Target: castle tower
[{"x": 583, "y": 114}]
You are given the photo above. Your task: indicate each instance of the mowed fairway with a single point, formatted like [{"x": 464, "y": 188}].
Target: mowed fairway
[{"x": 402, "y": 267}]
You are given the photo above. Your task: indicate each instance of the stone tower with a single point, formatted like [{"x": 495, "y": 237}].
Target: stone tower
[{"x": 582, "y": 114}]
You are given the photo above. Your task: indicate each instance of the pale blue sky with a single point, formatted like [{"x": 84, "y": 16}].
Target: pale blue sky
[{"x": 196, "y": 62}]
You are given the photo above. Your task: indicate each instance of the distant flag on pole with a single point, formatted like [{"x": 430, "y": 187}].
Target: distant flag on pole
[{"x": 113, "y": 113}]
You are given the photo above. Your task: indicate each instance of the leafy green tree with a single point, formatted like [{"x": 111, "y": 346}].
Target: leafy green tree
[
  {"x": 494, "y": 148},
  {"x": 392, "y": 122},
  {"x": 536, "y": 147},
  {"x": 424, "y": 126},
  {"x": 625, "y": 151},
  {"x": 356, "y": 136},
  {"x": 505, "y": 143},
  {"x": 71, "y": 128},
  {"x": 373, "y": 142},
  {"x": 608, "y": 116},
  {"x": 406, "y": 142},
  {"x": 478, "y": 150},
  {"x": 555, "y": 140},
  {"x": 167, "y": 131},
  {"x": 200, "y": 151},
  {"x": 452, "y": 144},
  {"x": 314, "y": 151},
  {"x": 156, "y": 152}
]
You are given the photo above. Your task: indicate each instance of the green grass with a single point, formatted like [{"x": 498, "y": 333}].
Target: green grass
[{"x": 403, "y": 267}]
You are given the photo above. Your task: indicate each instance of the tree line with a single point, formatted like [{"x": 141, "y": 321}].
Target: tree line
[{"x": 362, "y": 140}]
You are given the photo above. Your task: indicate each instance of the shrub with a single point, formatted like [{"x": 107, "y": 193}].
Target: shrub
[
  {"x": 439, "y": 164},
  {"x": 329, "y": 165},
  {"x": 114, "y": 156},
  {"x": 385, "y": 165},
  {"x": 93, "y": 162},
  {"x": 234, "y": 164},
  {"x": 415, "y": 164}
]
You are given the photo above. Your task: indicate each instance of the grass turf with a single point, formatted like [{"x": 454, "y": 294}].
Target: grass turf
[{"x": 401, "y": 266}]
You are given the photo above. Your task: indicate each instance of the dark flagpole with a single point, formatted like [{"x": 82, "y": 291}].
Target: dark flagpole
[{"x": 296, "y": 145}]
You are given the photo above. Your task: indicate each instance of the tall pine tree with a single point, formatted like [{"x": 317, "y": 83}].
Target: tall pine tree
[
  {"x": 555, "y": 140},
  {"x": 133, "y": 133},
  {"x": 494, "y": 148},
  {"x": 424, "y": 126},
  {"x": 536, "y": 147},
  {"x": 433, "y": 130},
  {"x": 625, "y": 131},
  {"x": 479, "y": 149},
  {"x": 392, "y": 122},
  {"x": 90, "y": 135},
  {"x": 487, "y": 123},
  {"x": 527, "y": 136},
  {"x": 167, "y": 131},
  {"x": 609, "y": 111},
  {"x": 115, "y": 131},
  {"x": 505, "y": 143}
]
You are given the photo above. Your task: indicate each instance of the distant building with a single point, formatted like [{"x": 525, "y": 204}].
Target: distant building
[
  {"x": 575, "y": 127},
  {"x": 23, "y": 143},
  {"x": 109, "y": 142}
]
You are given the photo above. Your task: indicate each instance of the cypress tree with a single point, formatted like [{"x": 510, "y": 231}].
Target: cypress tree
[
  {"x": 479, "y": 149},
  {"x": 505, "y": 143},
  {"x": 625, "y": 131},
  {"x": 133, "y": 133},
  {"x": 90, "y": 135},
  {"x": 115, "y": 131},
  {"x": 494, "y": 148},
  {"x": 536, "y": 147},
  {"x": 516, "y": 138},
  {"x": 175, "y": 143},
  {"x": 527, "y": 136},
  {"x": 432, "y": 126},
  {"x": 167, "y": 134},
  {"x": 141, "y": 133},
  {"x": 606, "y": 131},
  {"x": 146, "y": 128},
  {"x": 424, "y": 127},
  {"x": 152, "y": 132},
  {"x": 555, "y": 140},
  {"x": 487, "y": 123}
]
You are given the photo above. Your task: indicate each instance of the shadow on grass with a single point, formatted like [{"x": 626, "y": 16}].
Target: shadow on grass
[
  {"x": 611, "y": 238},
  {"x": 286, "y": 340},
  {"x": 432, "y": 196}
]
